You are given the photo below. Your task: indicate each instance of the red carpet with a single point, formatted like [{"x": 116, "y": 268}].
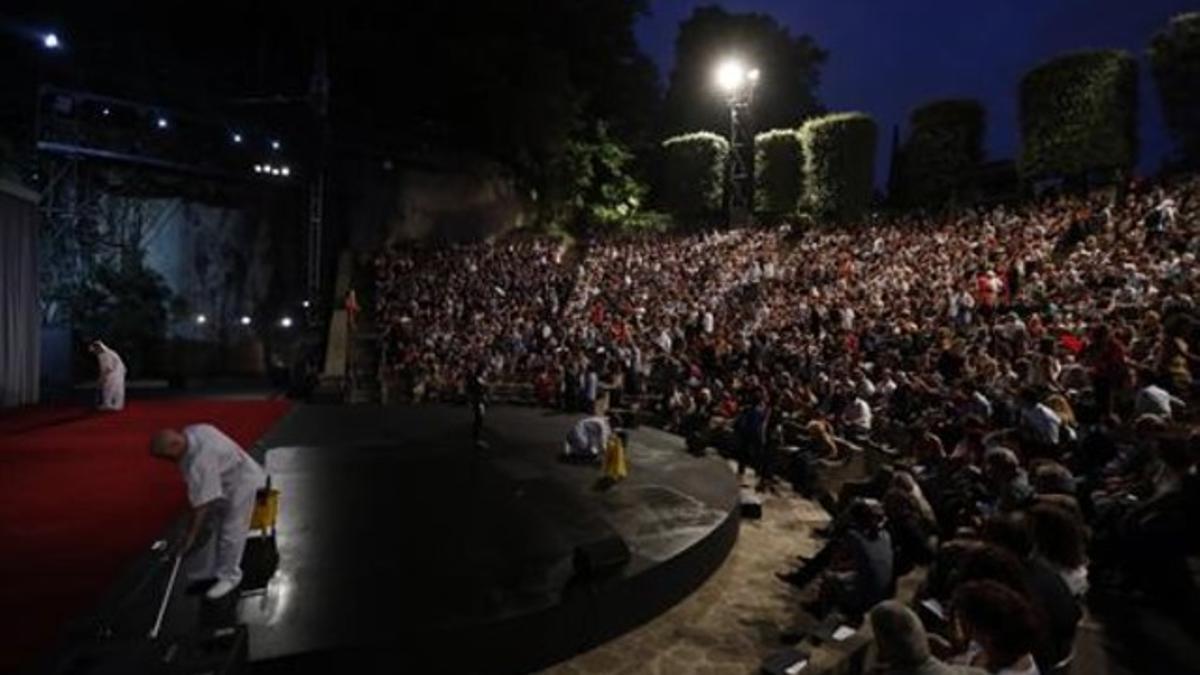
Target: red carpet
[{"x": 80, "y": 499}]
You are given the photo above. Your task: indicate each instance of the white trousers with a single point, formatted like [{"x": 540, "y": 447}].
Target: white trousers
[
  {"x": 221, "y": 555},
  {"x": 112, "y": 391}
]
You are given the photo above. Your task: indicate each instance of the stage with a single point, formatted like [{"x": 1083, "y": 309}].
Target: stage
[{"x": 399, "y": 543}]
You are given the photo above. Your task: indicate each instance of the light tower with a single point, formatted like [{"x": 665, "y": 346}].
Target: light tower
[{"x": 737, "y": 82}]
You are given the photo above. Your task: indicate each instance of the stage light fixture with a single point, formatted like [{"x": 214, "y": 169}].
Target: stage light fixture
[
  {"x": 245, "y": 320},
  {"x": 286, "y": 171},
  {"x": 201, "y": 319},
  {"x": 237, "y": 138},
  {"x": 258, "y": 168},
  {"x": 285, "y": 322},
  {"x": 106, "y": 112},
  {"x": 50, "y": 41},
  {"x": 162, "y": 123},
  {"x": 275, "y": 145},
  {"x": 306, "y": 304}
]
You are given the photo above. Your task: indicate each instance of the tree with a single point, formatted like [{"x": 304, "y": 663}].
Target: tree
[
  {"x": 593, "y": 187},
  {"x": 778, "y": 173},
  {"x": 839, "y": 163},
  {"x": 944, "y": 148},
  {"x": 694, "y": 171},
  {"x": 1078, "y": 115},
  {"x": 1175, "y": 63},
  {"x": 790, "y": 67}
]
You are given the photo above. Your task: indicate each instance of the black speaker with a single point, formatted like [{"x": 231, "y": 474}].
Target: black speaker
[
  {"x": 751, "y": 505},
  {"x": 601, "y": 558}
]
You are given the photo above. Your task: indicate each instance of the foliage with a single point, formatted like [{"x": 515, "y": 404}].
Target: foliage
[
  {"x": 943, "y": 151},
  {"x": 790, "y": 67},
  {"x": 694, "y": 171},
  {"x": 124, "y": 303},
  {"x": 592, "y": 187},
  {"x": 1079, "y": 114},
  {"x": 778, "y": 172},
  {"x": 839, "y": 163},
  {"x": 1175, "y": 62}
]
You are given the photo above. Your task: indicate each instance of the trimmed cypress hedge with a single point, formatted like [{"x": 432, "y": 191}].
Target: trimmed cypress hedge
[
  {"x": 1175, "y": 62},
  {"x": 693, "y": 174},
  {"x": 1078, "y": 114},
  {"x": 943, "y": 151},
  {"x": 778, "y": 172},
  {"x": 839, "y": 163}
]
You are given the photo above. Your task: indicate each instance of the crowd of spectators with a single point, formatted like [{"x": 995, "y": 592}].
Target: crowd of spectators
[{"x": 1026, "y": 370}]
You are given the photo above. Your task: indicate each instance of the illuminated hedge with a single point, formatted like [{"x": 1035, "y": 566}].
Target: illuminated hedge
[
  {"x": 1175, "y": 62},
  {"x": 839, "y": 163},
  {"x": 1078, "y": 114},
  {"x": 778, "y": 172},
  {"x": 944, "y": 148},
  {"x": 693, "y": 174}
]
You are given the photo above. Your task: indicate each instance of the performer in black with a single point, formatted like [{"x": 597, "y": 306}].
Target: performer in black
[{"x": 477, "y": 398}]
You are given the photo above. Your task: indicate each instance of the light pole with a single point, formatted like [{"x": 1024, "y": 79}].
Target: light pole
[{"x": 737, "y": 83}]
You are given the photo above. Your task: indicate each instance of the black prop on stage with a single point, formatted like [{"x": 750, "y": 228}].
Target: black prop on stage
[{"x": 399, "y": 543}]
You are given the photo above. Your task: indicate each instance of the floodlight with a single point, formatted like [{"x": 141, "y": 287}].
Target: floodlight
[
  {"x": 275, "y": 145},
  {"x": 285, "y": 322},
  {"x": 237, "y": 138},
  {"x": 201, "y": 319},
  {"x": 50, "y": 41},
  {"x": 162, "y": 123},
  {"x": 245, "y": 320},
  {"x": 730, "y": 75}
]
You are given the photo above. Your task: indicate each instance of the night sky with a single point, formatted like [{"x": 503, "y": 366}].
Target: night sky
[{"x": 888, "y": 56}]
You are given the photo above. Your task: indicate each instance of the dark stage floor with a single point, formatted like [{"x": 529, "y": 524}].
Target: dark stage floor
[{"x": 398, "y": 539}]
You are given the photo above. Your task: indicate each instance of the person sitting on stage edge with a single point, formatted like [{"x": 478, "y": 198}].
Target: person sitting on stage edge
[{"x": 222, "y": 480}]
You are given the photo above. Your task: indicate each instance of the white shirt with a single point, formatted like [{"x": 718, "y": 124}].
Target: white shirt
[
  {"x": 215, "y": 466},
  {"x": 1153, "y": 399},
  {"x": 1043, "y": 422},
  {"x": 858, "y": 414}
]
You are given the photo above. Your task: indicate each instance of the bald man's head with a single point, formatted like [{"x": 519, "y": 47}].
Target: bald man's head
[{"x": 168, "y": 444}]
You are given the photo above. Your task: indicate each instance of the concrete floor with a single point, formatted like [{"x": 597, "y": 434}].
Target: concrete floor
[{"x": 735, "y": 619}]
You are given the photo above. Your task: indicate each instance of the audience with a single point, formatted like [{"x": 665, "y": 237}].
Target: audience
[{"x": 1025, "y": 371}]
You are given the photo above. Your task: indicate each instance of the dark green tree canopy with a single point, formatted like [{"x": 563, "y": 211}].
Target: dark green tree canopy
[
  {"x": 1175, "y": 62},
  {"x": 1079, "y": 114},
  {"x": 790, "y": 66},
  {"x": 839, "y": 163},
  {"x": 944, "y": 148},
  {"x": 693, "y": 176},
  {"x": 778, "y": 173}
]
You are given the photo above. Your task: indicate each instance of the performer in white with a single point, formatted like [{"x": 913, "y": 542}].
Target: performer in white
[
  {"x": 111, "y": 381},
  {"x": 588, "y": 438},
  {"x": 221, "y": 479}
]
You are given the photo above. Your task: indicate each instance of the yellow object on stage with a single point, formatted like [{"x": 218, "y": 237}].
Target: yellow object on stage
[
  {"x": 266, "y": 509},
  {"x": 615, "y": 467}
]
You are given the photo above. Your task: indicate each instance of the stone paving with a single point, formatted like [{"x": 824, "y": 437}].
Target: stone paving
[{"x": 734, "y": 620}]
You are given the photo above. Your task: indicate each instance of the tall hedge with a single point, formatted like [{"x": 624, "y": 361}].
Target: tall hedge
[
  {"x": 1175, "y": 62},
  {"x": 943, "y": 151},
  {"x": 693, "y": 175},
  {"x": 778, "y": 172},
  {"x": 839, "y": 163},
  {"x": 1078, "y": 114}
]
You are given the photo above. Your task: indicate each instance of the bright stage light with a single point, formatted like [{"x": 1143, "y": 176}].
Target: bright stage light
[
  {"x": 258, "y": 168},
  {"x": 201, "y": 319},
  {"x": 285, "y": 322},
  {"x": 162, "y": 123},
  {"x": 245, "y": 320},
  {"x": 730, "y": 75},
  {"x": 286, "y": 171},
  {"x": 306, "y": 304},
  {"x": 106, "y": 112},
  {"x": 50, "y": 41},
  {"x": 275, "y": 145},
  {"x": 753, "y": 75},
  {"x": 237, "y": 138}
]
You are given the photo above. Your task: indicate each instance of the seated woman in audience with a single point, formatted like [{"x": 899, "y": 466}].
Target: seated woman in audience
[
  {"x": 902, "y": 646},
  {"x": 998, "y": 626}
]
